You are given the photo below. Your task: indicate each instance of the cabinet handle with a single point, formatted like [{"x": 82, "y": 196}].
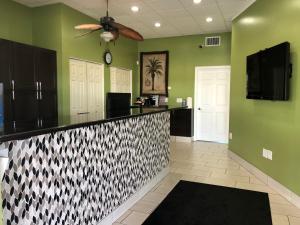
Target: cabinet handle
[
  {"x": 13, "y": 89},
  {"x": 83, "y": 113},
  {"x": 37, "y": 95},
  {"x": 41, "y": 95}
]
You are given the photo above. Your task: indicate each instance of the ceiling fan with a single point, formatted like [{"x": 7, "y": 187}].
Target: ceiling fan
[{"x": 111, "y": 29}]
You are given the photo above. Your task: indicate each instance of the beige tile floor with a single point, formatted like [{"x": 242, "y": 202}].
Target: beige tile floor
[{"x": 208, "y": 163}]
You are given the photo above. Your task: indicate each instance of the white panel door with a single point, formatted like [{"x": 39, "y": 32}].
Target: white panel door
[
  {"x": 95, "y": 88},
  {"x": 120, "y": 80},
  {"x": 212, "y": 90},
  {"x": 78, "y": 91}
]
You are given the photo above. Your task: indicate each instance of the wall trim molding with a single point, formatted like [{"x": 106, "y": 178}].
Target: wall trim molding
[
  {"x": 280, "y": 188},
  {"x": 118, "y": 212},
  {"x": 182, "y": 139}
]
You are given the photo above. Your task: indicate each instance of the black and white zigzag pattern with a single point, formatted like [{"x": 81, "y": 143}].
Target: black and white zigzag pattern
[{"x": 79, "y": 176}]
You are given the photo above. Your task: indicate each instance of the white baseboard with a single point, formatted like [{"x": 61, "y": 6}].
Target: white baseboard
[
  {"x": 117, "y": 213},
  {"x": 281, "y": 189},
  {"x": 182, "y": 139}
]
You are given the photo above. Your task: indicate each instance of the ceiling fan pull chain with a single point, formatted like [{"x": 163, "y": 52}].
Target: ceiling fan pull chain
[{"x": 106, "y": 46}]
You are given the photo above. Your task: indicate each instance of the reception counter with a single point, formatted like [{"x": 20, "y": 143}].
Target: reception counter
[{"x": 86, "y": 170}]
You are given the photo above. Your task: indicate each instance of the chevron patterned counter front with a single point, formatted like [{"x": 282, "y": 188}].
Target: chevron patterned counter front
[{"x": 79, "y": 176}]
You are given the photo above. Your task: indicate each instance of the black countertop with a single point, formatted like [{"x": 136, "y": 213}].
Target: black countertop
[{"x": 29, "y": 129}]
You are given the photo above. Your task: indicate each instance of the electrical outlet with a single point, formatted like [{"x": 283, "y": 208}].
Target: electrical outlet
[
  {"x": 267, "y": 154},
  {"x": 179, "y": 100},
  {"x": 169, "y": 88},
  {"x": 166, "y": 100},
  {"x": 230, "y": 135},
  {"x": 270, "y": 155}
]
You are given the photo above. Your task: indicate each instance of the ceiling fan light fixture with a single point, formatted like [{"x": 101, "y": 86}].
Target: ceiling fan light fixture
[
  {"x": 135, "y": 9},
  {"x": 107, "y": 36}
]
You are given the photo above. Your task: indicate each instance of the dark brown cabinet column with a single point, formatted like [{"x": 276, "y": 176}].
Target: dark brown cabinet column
[
  {"x": 5, "y": 78},
  {"x": 45, "y": 61},
  {"x": 28, "y": 75},
  {"x": 25, "y": 104}
]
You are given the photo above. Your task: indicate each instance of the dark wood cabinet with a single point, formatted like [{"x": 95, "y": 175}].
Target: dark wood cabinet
[
  {"x": 182, "y": 123},
  {"x": 23, "y": 74},
  {"x": 28, "y": 75},
  {"x": 45, "y": 61},
  {"x": 5, "y": 79}
]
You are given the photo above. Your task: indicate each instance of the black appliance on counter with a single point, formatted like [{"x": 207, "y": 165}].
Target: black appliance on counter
[{"x": 118, "y": 104}]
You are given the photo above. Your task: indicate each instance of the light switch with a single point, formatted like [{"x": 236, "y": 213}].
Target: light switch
[{"x": 179, "y": 100}]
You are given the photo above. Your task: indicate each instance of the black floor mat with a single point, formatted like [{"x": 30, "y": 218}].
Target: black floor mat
[{"x": 192, "y": 203}]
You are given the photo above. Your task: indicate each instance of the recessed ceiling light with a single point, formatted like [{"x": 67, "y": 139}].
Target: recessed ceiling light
[
  {"x": 134, "y": 9},
  {"x": 197, "y": 1},
  {"x": 157, "y": 24},
  {"x": 209, "y": 19}
]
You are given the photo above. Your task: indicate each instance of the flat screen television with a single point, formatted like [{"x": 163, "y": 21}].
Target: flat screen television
[{"x": 268, "y": 73}]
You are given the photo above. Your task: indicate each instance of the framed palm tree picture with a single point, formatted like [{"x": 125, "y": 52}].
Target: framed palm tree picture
[{"x": 154, "y": 73}]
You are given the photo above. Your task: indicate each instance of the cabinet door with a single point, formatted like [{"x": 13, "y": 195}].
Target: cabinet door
[
  {"x": 5, "y": 79},
  {"x": 78, "y": 89},
  {"x": 45, "y": 64},
  {"x": 95, "y": 92},
  {"x": 181, "y": 123},
  {"x": 5, "y": 64},
  {"x": 25, "y": 104},
  {"x": 23, "y": 67}
]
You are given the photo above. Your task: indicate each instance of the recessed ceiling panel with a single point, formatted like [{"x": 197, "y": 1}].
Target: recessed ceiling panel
[{"x": 177, "y": 17}]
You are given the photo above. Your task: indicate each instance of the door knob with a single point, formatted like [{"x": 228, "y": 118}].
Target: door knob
[{"x": 199, "y": 108}]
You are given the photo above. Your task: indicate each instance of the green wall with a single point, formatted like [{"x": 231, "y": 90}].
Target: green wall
[
  {"x": 88, "y": 48},
  {"x": 47, "y": 33},
  {"x": 273, "y": 125},
  {"x": 184, "y": 56},
  {"x": 52, "y": 27},
  {"x": 15, "y": 22}
]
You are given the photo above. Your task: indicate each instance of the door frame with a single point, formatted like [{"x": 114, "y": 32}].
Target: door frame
[
  {"x": 196, "y": 89},
  {"x": 102, "y": 79}
]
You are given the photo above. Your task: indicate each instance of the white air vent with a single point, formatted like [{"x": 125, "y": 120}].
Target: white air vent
[{"x": 212, "y": 41}]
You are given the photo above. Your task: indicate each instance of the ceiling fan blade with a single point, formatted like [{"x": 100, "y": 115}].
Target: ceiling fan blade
[
  {"x": 115, "y": 34},
  {"x": 127, "y": 32},
  {"x": 86, "y": 33},
  {"x": 88, "y": 27}
]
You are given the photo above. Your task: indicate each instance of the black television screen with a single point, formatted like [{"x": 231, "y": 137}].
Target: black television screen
[{"x": 268, "y": 73}]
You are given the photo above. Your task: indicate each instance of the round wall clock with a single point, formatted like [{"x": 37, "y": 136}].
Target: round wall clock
[{"x": 107, "y": 57}]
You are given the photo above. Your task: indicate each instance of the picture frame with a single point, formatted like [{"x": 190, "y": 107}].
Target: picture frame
[{"x": 154, "y": 73}]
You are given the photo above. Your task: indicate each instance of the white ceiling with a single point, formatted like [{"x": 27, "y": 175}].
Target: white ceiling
[{"x": 177, "y": 17}]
